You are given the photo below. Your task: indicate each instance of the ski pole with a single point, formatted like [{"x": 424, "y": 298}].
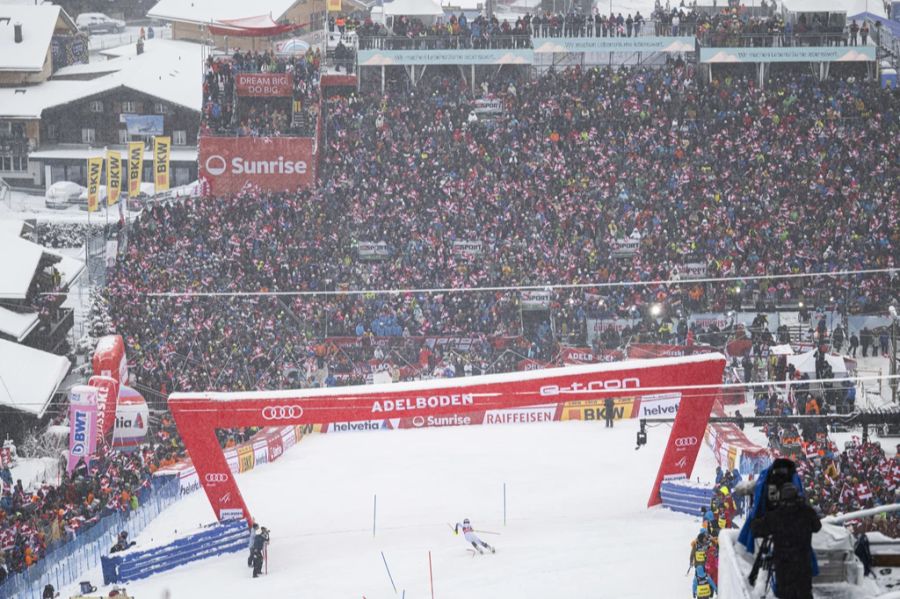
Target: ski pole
[{"x": 488, "y": 532}]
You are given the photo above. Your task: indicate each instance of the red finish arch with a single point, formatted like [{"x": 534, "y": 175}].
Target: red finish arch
[{"x": 198, "y": 415}]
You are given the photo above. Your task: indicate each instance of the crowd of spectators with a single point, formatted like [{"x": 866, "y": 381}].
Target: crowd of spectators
[
  {"x": 226, "y": 112},
  {"x": 737, "y": 26},
  {"x": 745, "y": 181},
  {"x": 34, "y": 521}
]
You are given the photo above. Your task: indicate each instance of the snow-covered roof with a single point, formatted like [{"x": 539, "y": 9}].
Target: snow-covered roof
[
  {"x": 414, "y": 8},
  {"x": 79, "y": 151},
  {"x": 207, "y": 11},
  {"x": 149, "y": 46},
  {"x": 170, "y": 71},
  {"x": 16, "y": 275},
  {"x": 17, "y": 325},
  {"x": 69, "y": 268},
  {"x": 38, "y": 24},
  {"x": 30, "y": 377},
  {"x": 11, "y": 227}
]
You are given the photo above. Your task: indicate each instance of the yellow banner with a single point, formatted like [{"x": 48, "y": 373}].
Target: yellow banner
[
  {"x": 592, "y": 409},
  {"x": 246, "y": 459},
  {"x": 113, "y": 177},
  {"x": 135, "y": 167},
  {"x": 162, "y": 148},
  {"x": 94, "y": 171},
  {"x": 334, "y": 5}
]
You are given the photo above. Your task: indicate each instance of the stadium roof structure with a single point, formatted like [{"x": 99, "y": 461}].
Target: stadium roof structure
[
  {"x": 29, "y": 377},
  {"x": 167, "y": 70},
  {"x": 38, "y": 25},
  {"x": 204, "y": 12}
]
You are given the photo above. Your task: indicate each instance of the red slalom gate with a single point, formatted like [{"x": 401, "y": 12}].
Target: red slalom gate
[{"x": 198, "y": 415}]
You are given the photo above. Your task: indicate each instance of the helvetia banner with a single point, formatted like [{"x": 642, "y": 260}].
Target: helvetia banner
[
  {"x": 162, "y": 148},
  {"x": 82, "y": 424},
  {"x": 94, "y": 172},
  {"x": 113, "y": 177},
  {"x": 135, "y": 167},
  {"x": 227, "y": 164}
]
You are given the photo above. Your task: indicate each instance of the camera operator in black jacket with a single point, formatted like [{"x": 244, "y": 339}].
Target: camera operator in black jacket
[{"x": 791, "y": 525}]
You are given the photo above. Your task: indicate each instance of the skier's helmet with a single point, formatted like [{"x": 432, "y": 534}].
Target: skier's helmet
[{"x": 465, "y": 521}]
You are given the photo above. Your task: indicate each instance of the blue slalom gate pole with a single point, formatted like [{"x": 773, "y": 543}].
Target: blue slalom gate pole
[{"x": 389, "y": 572}]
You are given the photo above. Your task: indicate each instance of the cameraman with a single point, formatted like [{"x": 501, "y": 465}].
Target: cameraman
[{"x": 791, "y": 525}]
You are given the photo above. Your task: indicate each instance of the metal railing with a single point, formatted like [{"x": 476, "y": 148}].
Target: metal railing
[{"x": 68, "y": 561}]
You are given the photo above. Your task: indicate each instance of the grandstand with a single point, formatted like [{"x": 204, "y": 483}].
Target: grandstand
[{"x": 463, "y": 195}]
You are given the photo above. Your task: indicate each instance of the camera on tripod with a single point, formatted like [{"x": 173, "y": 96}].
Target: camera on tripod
[{"x": 782, "y": 471}]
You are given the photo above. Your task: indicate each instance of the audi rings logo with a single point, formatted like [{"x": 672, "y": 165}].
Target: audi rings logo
[
  {"x": 419, "y": 421},
  {"x": 685, "y": 441},
  {"x": 216, "y": 477},
  {"x": 281, "y": 412},
  {"x": 215, "y": 165}
]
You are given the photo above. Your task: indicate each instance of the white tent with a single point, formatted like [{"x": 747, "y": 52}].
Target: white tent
[
  {"x": 413, "y": 8},
  {"x": 806, "y": 363}
]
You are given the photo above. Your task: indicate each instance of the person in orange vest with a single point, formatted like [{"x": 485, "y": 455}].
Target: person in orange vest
[{"x": 812, "y": 406}]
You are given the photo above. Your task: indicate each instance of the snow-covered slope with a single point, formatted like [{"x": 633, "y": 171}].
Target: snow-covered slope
[{"x": 577, "y": 525}]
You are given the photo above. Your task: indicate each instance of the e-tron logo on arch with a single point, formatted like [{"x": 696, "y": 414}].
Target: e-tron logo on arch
[
  {"x": 685, "y": 441},
  {"x": 281, "y": 412},
  {"x": 216, "y": 477},
  {"x": 215, "y": 165}
]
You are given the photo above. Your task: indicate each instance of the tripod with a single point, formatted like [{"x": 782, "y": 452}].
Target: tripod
[{"x": 763, "y": 560}]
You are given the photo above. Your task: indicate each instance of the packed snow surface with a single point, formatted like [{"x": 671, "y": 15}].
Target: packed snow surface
[{"x": 577, "y": 521}]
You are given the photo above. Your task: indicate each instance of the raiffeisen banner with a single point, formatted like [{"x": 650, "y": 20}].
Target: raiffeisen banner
[
  {"x": 228, "y": 164},
  {"x": 696, "y": 380}
]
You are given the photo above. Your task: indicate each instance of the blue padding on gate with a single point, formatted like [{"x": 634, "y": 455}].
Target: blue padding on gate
[
  {"x": 219, "y": 539},
  {"x": 683, "y": 496}
]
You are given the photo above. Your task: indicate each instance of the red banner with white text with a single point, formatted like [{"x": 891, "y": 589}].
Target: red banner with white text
[
  {"x": 229, "y": 164},
  {"x": 264, "y": 84},
  {"x": 199, "y": 415}
]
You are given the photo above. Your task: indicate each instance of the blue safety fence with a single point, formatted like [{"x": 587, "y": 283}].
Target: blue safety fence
[
  {"x": 685, "y": 496},
  {"x": 218, "y": 539},
  {"x": 69, "y": 561}
]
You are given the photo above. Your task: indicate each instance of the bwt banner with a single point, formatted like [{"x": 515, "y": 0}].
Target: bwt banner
[
  {"x": 228, "y": 164},
  {"x": 264, "y": 84},
  {"x": 448, "y": 402},
  {"x": 82, "y": 424}
]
